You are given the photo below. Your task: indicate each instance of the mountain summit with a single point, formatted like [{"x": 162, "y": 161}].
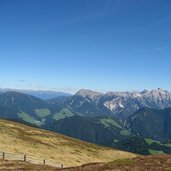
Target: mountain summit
[{"x": 88, "y": 93}]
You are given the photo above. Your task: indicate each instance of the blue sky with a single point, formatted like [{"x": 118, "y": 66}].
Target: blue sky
[{"x": 104, "y": 45}]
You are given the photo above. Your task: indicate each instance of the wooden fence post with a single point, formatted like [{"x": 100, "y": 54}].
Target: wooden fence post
[
  {"x": 44, "y": 162},
  {"x": 24, "y": 158},
  {"x": 62, "y": 165},
  {"x": 3, "y": 155}
]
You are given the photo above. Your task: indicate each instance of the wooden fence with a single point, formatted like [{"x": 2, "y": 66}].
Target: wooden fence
[{"x": 26, "y": 158}]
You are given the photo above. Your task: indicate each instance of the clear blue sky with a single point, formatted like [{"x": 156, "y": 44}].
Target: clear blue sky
[{"x": 102, "y": 45}]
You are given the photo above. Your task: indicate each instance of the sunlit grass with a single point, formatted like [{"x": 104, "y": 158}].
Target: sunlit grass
[{"x": 41, "y": 144}]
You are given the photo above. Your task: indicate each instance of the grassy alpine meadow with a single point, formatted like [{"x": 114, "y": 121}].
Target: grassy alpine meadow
[{"x": 44, "y": 145}]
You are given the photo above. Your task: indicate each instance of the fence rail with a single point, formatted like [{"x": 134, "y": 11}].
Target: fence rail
[{"x": 27, "y": 158}]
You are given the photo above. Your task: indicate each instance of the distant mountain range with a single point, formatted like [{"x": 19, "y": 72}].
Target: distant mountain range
[
  {"x": 42, "y": 94},
  {"x": 119, "y": 104},
  {"x": 132, "y": 121}
]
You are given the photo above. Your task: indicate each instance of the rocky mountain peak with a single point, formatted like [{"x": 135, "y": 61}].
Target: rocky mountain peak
[
  {"x": 144, "y": 91},
  {"x": 88, "y": 93},
  {"x": 136, "y": 94},
  {"x": 162, "y": 90},
  {"x": 159, "y": 92}
]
